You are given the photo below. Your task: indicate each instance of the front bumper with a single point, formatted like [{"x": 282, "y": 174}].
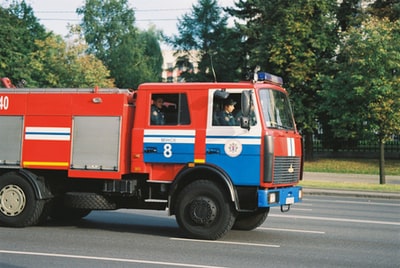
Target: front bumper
[{"x": 280, "y": 196}]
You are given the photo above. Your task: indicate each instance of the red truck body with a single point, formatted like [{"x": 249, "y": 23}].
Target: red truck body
[{"x": 65, "y": 152}]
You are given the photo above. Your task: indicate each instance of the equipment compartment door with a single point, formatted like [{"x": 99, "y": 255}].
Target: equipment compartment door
[
  {"x": 10, "y": 140},
  {"x": 96, "y": 142}
]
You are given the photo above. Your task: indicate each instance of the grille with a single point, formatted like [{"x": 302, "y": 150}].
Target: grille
[{"x": 283, "y": 167}]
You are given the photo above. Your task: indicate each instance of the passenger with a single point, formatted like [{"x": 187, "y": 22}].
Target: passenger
[
  {"x": 225, "y": 117},
  {"x": 157, "y": 116}
]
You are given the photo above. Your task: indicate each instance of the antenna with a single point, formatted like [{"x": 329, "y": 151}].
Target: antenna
[{"x": 212, "y": 68}]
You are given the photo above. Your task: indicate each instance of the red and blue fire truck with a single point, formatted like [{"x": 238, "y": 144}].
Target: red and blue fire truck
[{"x": 65, "y": 152}]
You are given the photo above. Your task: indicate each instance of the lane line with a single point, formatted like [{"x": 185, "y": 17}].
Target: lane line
[
  {"x": 226, "y": 242},
  {"x": 354, "y": 202},
  {"x": 43, "y": 254},
  {"x": 337, "y": 219},
  {"x": 291, "y": 230},
  {"x": 301, "y": 209}
]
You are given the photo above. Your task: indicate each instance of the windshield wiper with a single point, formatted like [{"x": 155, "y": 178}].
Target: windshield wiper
[{"x": 279, "y": 126}]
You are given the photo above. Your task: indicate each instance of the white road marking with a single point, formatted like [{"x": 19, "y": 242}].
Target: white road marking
[
  {"x": 43, "y": 254},
  {"x": 226, "y": 242},
  {"x": 394, "y": 204},
  {"x": 301, "y": 209},
  {"x": 291, "y": 230},
  {"x": 336, "y": 219}
]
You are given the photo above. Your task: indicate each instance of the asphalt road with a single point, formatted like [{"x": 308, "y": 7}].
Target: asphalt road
[{"x": 322, "y": 231}]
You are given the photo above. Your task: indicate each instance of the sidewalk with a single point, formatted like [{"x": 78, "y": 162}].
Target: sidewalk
[{"x": 350, "y": 178}]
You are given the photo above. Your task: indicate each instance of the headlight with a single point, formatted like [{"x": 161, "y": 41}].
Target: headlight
[{"x": 272, "y": 198}]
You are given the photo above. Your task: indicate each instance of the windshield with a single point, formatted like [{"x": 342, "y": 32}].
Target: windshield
[{"x": 276, "y": 109}]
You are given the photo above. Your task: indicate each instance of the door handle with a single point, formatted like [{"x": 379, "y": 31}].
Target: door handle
[
  {"x": 213, "y": 151},
  {"x": 150, "y": 150}
]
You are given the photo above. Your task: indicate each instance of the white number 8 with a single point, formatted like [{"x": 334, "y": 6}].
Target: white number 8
[{"x": 167, "y": 150}]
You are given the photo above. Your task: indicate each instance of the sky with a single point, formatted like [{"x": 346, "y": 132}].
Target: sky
[{"x": 55, "y": 15}]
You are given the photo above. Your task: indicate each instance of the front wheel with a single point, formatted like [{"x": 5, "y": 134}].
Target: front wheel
[
  {"x": 247, "y": 221},
  {"x": 204, "y": 211},
  {"x": 18, "y": 204}
]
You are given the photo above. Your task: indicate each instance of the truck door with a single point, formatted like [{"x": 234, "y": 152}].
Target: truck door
[
  {"x": 234, "y": 149},
  {"x": 167, "y": 140}
]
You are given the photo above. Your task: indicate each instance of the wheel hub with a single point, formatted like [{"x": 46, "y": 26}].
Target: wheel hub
[
  {"x": 203, "y": 211},
  {"x": 12, "y": 200}
]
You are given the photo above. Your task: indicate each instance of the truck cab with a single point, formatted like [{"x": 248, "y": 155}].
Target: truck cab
[{"x": 255, "y": 160}]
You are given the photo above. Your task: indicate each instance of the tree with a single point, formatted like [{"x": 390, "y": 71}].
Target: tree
[
  {"x": 293, "y": 39},
  {"x": 349, "y": 14},
  {"x": 363, "y": 97},
  {"x": 103, "y": 25},
  {"x": 389, "y": 9},
  {"x": 19, "y": 30},
  {"x": 56, "y": 64},
  {"x": 152, "y": 55},
  {"x": 109, "y": 30},
  {"x": 204, "y": 32},
  {"x": 138, "y": 65}
]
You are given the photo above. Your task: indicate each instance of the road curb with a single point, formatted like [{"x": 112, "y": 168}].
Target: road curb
[{"x": 348, "y": 193}]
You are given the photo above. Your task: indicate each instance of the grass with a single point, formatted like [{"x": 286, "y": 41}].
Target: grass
[
  {"x": 390, "y": 188},
  {"x": 352, "y": 166}
]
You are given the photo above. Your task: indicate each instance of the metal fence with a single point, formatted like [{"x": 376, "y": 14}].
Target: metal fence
[{"x": 357, "y": 147}]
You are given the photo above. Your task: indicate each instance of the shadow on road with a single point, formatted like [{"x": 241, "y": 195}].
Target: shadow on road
[{"x": 124, "y": 221}]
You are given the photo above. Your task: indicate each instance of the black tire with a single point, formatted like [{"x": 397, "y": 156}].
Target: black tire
[
  {"x": 248, "y": 221},
  {"x": 59, "y": 212},
  {"x": 82, "y": 200},
  {"x": 204, "y": 211},
  {"x": 18, "y": 204}
]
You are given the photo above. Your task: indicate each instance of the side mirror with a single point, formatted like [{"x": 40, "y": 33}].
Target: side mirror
[
  {"x": 246, "y": 103},
  {"x": 245, "y": 122},
  {"x": 246, "y": 109}
]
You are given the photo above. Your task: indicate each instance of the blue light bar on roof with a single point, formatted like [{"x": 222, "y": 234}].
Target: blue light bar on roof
[{"x": 263, "y": 76}]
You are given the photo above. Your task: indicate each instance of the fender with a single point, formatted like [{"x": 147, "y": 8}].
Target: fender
[
  {"x": 186, "y": 176},
  {"x": 37, "y": 183}
]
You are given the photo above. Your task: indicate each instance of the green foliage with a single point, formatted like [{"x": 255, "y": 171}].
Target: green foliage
[
  {"x": 19, "y": 30},
  {"x": 136, "y": 60},
  {"x": 362, "y": 98},
  {"x": 295, "y": 39},
  {"x": 389, "y": 9},
  {"x": 205, "y": 31},
  {"x": 103, "y": 25},
  {"x": 349, "y": 14},
  {"x": 131, "y": 56},
  {"x": 55, "y": 64}
]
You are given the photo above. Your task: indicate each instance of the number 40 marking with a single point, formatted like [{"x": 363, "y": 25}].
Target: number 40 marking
[{"x": 4, "y": 102}]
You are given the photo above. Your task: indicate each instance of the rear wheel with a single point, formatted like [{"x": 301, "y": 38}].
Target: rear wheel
[
  {"x": 250, "y": 220},
  {"x": 18, "y": 204},
  {"x": 204, "y": 211}
]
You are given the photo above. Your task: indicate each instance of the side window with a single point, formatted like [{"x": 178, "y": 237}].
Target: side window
[
  {"x": 227, "y": 110},
  {"x": 169, "y": 109}
]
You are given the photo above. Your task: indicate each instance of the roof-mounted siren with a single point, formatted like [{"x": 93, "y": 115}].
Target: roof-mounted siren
[{"x": 264, "y": 76}]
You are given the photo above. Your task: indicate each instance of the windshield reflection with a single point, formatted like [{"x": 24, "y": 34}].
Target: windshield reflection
[{"x": 276, "y": 109}]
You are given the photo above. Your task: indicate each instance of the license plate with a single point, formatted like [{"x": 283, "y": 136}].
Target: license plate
[{"x": 289, "y": 200}]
